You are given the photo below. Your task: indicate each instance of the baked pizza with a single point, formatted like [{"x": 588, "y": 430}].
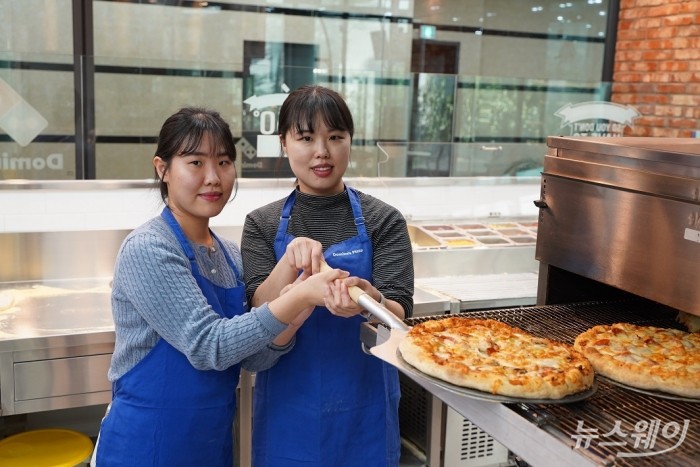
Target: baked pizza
[
  {"x": 645, "y": 357},
  {"x": 494, "y": 357}
]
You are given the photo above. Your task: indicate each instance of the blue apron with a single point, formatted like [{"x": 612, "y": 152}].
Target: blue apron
[
  {"x": 327, "y": 403},
  {"x": 164, "y": 411}
]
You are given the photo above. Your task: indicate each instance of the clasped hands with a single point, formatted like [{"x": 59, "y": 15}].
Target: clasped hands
[{"x": 306, "y": 255}]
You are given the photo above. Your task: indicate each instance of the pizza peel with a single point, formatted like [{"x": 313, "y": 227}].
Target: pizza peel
[{"x": 387, "y": 349}]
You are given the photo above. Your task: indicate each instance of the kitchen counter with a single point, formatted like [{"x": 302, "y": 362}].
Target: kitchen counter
[
  {"x": 483, "y": 291},
  {"x": 37, "y": 312},
  {"x": 56, "y": 342}
]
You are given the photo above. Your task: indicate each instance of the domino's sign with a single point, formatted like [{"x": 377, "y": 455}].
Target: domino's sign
[{"x": 597, "y": 118}]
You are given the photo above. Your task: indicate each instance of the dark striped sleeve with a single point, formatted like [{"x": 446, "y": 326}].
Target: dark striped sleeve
[{"x": 392, "y": 251}]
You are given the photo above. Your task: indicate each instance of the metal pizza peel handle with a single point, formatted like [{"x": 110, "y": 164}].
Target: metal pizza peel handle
[{"x": 363, "y": 299}]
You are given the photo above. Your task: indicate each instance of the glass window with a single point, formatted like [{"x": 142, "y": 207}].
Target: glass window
[
  {"x": 454, "y": 87},
  {"x": 37, "y": 112}
]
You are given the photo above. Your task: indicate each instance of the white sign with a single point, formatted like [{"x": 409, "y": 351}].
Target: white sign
[
  {"x": 597, "y": 118},
  {"x": 267, "y": 143}
]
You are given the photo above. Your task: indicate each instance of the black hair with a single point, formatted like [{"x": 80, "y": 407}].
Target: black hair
[
  {"x": 305, "y": 104},
  {"x": 183, "y": 132}
]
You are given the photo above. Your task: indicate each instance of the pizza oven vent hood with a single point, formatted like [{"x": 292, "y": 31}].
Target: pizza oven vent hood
[{"x": 620, "y": 215}]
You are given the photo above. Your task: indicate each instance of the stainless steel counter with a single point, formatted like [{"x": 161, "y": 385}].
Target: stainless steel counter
[
  {"x": 430, "y": 303},
  {"x": 483, "y": 291},
  {"x": 56, "y": 342}
]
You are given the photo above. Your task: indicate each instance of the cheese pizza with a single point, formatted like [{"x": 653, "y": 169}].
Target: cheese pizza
[
  {"x": 493, "y": 357},
  {"x": 645, "y": 357}
]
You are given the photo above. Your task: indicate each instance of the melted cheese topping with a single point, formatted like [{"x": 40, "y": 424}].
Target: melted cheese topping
[
  {"x": 645, "y": 356},
  {"x": 463, "y": 350},
  {"x": 644, "y": 345}
]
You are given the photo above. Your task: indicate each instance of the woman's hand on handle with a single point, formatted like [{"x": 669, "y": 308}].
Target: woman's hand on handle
[
  {"x": 311, "y": 291},
  {"x": 347, "y": 291},
  {"x": 341, "y": 301}
]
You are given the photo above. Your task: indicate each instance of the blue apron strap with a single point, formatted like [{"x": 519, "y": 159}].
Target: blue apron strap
[
  {"x": 357, "y": 212},
  {"x": 282, "y": 238},
  {"x": 237, "y": 274},
  {"x": 167, "y": 214}
]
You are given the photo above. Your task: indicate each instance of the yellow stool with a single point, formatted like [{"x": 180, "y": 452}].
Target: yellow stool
[{"x": 52, "y": 447}]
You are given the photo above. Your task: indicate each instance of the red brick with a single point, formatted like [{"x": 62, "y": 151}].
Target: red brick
[
  {"x": 634, "y": 35},
  {"x": 685, "y": 54},
  {"x": 685, "y": 99},
  {"x": 657, "y": 65},
  {"x": 647, "y": 23},
  {"x": 689, "y": 112},
  {"x": 629, "y": 55},
  {"x": 688, "y": 31},
  {"x": 644, "y": 66},
  {"x": 679, "y": 20},
  {"x": 637, "y": 130},
  {"x": 655, "y": 98},
  {"x": 669, "y": 9},
  {"x": 661, "y": 33},
  {"x": 644, "y": 109},
  {"x": 629, "y": 45},
  {"x": 683, "y": 123},
  {"x": 649, "y": 121},
  {"x": 664, "y": 132},
  {"x": 672, "y": 88},
  {"x": 673, "y": 66},
  {"x": 667, "y": 111}
]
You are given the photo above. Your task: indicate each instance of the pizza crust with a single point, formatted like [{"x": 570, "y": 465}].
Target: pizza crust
[
  {"x": 491, "y": 356},
  {"x": 645, "y": 357}
]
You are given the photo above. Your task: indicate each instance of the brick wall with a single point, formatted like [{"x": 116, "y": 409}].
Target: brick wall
[{"x": 657, "y": 66}]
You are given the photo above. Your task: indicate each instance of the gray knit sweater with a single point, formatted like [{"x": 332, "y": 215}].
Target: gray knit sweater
[{"x": 155, "y": 296}]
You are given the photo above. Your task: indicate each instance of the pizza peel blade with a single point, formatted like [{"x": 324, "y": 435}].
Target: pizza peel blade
[{"x": 387, "y": 350}]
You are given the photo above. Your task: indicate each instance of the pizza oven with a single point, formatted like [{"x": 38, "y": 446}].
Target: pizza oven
[
  {"x": 619, "y": 223},
  {"x": 620, "y": 217},
  {"x": 618, "y": 240}
]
